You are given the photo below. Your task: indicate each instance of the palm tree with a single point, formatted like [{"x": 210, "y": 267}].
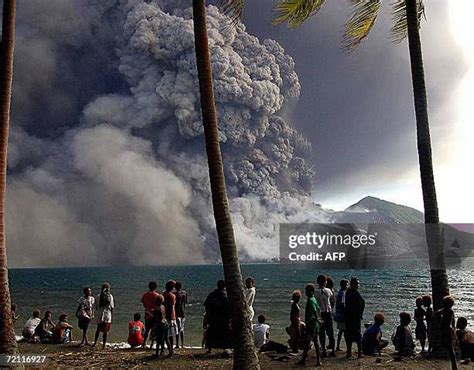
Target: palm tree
[
  {"x": 407, "y": 15},
  {"x": 245, "y": 356},
  {"x": 7, "y": 334}
]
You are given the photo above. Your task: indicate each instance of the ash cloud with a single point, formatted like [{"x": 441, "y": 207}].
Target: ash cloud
[{"x": 126, "y": 181}]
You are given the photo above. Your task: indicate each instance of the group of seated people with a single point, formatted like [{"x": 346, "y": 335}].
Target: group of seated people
[{"x": 37, "y": 330}]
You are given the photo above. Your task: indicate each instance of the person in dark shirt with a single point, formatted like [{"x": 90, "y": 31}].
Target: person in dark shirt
[
  {"x": 429, "y": 316},
  {"x": 294, "y": 330},
  {"x": 339, "y": 316},
  {"x": 420, "y": 330},
  {"x": 218, "y": 319},
  {"x": 180, "y": 308},
  {"x": 372, "y": 342},
  {"x": 353, "y": 315},
  {"x": 446, "y": 315},
  {"x": 466, "y": 341}
]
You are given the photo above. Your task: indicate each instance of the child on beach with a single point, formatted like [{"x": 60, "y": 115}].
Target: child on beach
[
  {"x": 339, "y": 316},
  {"x": 312, "y": 317},
  {"x": 429, "y": 316},
  {"x": 420, "y": 330},
  {"x": 324, "y": 296},
  {"x": 30, "y": 325},
  {"x": 250, "y": 292},
  {"x": 169, "y": 303},
  {"x": 44, "y": 330},
  {"x": 13, "y": 310},
  {"x": 105, "y": 306},
  {"x": 85, "y": 313},
  {"x": 403, "y": 337},
  {"x": 261, "y": 332},
  {"x": 149, "y": 302},
  {"x": 180, "y": 307},
  {"x": 295, "y": 322},
  {"x": 62, "y": 332},
  {"x": 136, "y": 330},
  {"x": 446, "y": 317},
  {"x": 465, "y": 339},
  {"x": 161, "y": 328},
  {"x": 372, "y": 342}
]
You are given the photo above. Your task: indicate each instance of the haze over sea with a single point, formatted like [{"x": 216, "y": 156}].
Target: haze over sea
[{"x": 386, "y": 290}]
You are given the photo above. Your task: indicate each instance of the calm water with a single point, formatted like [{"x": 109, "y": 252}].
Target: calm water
[{"x": 388, "y": 290}]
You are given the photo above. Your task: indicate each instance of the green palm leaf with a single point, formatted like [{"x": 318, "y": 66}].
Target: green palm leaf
[
  {"x": 399, "y": 29},
  {"x": 233, "y": 9},
  {"x": 295, "y": 12},
  {"x": 357, "y": 28}
]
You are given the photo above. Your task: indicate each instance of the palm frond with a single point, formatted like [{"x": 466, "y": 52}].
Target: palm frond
[
  {"x": 295, "y": 12},
  {"x": 359, "y": 25},
  {"x": 233, "y": 9},
  {"x": 399, "y": 30}
]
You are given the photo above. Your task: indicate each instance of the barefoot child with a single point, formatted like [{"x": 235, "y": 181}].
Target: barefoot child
[
  {"x": 429, "y": 315},
  {"x": 420, "y": 330},
  {"x": 446, "y": 315},
  {"x": 465, "y": 340},
  {"x": 136, "y": 329},
  {"x": 295, "y": 321},
  {"x": 161, "y": 328},
  {"x": 372, "y": 342},
  {"x": 324, "y": 296},
  {"x": 403, "y": 338},
  {"x": 312, "y": 317}
]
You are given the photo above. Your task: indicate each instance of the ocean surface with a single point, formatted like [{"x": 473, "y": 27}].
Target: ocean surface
[{"x": 386, "y": 290}]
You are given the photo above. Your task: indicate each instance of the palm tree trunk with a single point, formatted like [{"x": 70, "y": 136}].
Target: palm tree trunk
[
  {"x": 434, "y": 238},
  {"x": 7, "y": 334},
  {"x": 245, "y": 356}
]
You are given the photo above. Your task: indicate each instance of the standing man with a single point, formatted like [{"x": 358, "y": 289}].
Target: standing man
[
  {"x": 85, "y": 313},
  {"x": 149, "y": 304},
  {"x": 180, "y": 308},
  {"x": 324, "y": 296},
  {"x": 353, "y": 314},
  {"x": 170, "y": 312},
  {"x": 105, "y": 306}
]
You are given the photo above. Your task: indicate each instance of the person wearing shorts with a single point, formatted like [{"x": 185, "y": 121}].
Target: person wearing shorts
[
  {"x": 170, "y": 313},
  {"x": 105, "y": 306},
  {"x": 149, "y": 304},
  {"x": 85, "y": 313},
  {"x": 180, "y": 308}
]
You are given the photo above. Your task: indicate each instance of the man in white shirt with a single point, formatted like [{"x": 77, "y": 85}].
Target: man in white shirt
[
  {"x": 261, "y": 332},
  {"x": 323, "y": 296},
  {"x": 30, "y": 326}
]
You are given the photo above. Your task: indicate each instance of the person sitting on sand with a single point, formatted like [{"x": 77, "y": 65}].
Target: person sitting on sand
[
  {"x": 372, "y": 342},
  {"x": 339, "y": 316},
  {"x": 105, "y": 305},
  {"x": 353, "y": 315},
  {"x": 30, "y": 325},
  {"x": 465, "y": 339},
  {"x": 429, "y": 317},
  {"x": 180, "y": 307},
  {"x": 44, "y": 330},
  {"x": 403, "y": 337},
  {"x": 218, "y": 319},
  {"x": 149, "y": 303},
  {"x": 295, "y": 322},
  {"x": 169, "y": 303},
  {"x": 324, "y": 296},
  {"x": 448, "y": 332},
  {"x": 261, "y": 331},
  {"x": 85, "y": 313},
  {"x": 62, "y": 332},
  {"x": 136, "y": 330},
  {"x": 250, "y": 292},
  {"x": 312, "y": 318},
  {"x": 420, "y": 330},
  {"x": 161, "y": 328}
]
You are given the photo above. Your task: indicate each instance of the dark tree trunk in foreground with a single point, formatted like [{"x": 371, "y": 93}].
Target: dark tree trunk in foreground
[
  {"x": 245, "y": 356},
  {"x": 434, "y": 237},
  {"x": 7, "y": 334}
]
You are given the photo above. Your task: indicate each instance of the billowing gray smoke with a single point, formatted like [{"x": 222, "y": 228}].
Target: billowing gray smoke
[{"x": 127, "y": 182}]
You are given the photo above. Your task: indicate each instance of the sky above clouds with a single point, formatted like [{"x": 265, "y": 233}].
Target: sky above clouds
[{"x": 358, "y": 110}]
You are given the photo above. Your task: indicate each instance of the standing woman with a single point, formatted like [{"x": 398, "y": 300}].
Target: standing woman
[
  {"x": 105, "y": 306},
  {"x": 85, "y": 313},
  {"x": 250, "y": 292}
]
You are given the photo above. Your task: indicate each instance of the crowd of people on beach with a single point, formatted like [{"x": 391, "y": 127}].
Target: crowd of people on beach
[{"x": 325, "y": 310}]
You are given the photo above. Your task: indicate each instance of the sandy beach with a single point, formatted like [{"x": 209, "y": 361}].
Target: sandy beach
[{"x": 73, "y": 356}]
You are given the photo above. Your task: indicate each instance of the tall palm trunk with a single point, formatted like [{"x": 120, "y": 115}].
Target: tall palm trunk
[
  {"x": 244, "y": 354},
  {"x": 434, "y": 237},
  {"x": 7, "y": 334}
]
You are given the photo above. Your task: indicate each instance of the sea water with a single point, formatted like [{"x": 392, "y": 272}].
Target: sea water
[{"x": 387, "y": 290}]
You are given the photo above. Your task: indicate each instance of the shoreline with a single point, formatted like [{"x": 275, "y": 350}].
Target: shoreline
[{"x": 73, "y": 356}]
